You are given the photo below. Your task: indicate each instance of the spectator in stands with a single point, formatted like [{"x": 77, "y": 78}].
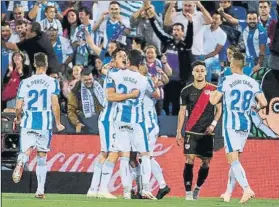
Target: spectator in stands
[
  {"x": 17, "y": 72},
  {"x": 139, "y": 20},
  {"x": 255, "y": 39},
  {"x": 113, "y": 27},
  {"x": 138, "y": 43},
  {"x": 264, "y": 14},
  {"x": 37, "y": 41},
  {"x": 178, "y": 51},
  {"x": 79, "y": 41},
  {"x": 21, "y": 29},
  {"x": 26, "y": 5},
  {"x": 18, "y": 15},
  {"x": 214, "y": 39},
  {"x": 85, "y": 100},
  {"x": 97, "y": 73},
  {"x": 51, "y": 21},
  {"x": 70, "y": 22},
  {"x": 37, "y": 12},
  {"x": 160, "y": 70},
  {"x": 69, "y": 5},
  {"x": 6, "y": 54},
  {"x": 200, "y": 18},
  {"x": 227, "y": 7},
  {"x": 62, "y": 48},
  {"x": 69, "y": 84}
]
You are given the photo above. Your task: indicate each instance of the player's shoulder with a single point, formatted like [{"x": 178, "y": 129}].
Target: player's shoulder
[
  {"x": 187, "y": 87},
  {"x": 211, "y": 86}
]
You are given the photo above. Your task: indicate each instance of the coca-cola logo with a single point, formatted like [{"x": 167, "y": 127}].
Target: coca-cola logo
[{"x": 82, "y": 162}]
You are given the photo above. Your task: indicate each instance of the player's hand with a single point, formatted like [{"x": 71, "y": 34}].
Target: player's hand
[
  {"x": 104, "y": 15},
  {"x": 60, "y": 127},
  {"x": 79, "y": 127},
  {"x": 179, "y": 139},
  {"x": 164, "y": 59},
  {"x": 256, "y": 68},
  {"x": 17, "y": 121},
  {"x": 198, "y": 4},
  {"x": 135, "y": 93},
  {"x": 150, "y": 12},
  {"x": 210, "y": 129},
  {"x": 189, "y": 17}
]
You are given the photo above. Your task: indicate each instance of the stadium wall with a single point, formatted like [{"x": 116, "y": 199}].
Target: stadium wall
[{"x": 72, "y": 159}]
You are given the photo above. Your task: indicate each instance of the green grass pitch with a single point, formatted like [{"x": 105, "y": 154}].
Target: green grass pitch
[{"x": 60, "y": 200}]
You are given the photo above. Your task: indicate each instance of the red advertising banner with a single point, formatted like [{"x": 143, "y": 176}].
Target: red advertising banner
[{"x": 79, "y": 153}]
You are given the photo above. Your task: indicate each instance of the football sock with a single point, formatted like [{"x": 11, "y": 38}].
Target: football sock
[
  {"x": 41, "y": 172},
  {"x": 107, "y": 170},
  {"x": 188, "y": 176},
  {"x": 145, "y": 171},
  {"x": 125, "y": 172},
  {"x": 239, "y": 173},
  {"x": 96, "y": 177},
  {"x": 231, "y": 181},
  {"x": 157, "y": 172},
  {"x": 23, "y": 158},
  {"x": 202, "y": 175}
]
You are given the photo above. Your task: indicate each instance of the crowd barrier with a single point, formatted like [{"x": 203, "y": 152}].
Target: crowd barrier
[{"x": 79, "y": 153}]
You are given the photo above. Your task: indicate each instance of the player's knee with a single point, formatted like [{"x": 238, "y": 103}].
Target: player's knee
[
  {"x": 41, "y": 154},
  {"x": 41, "y": 161},
  {"x": 190, "y": 159},
  {"x": 205, "y": 163},
  {"x": 113, "y": 157}
]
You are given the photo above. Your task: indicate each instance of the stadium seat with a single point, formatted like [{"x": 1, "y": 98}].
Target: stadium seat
[{"x": 239, "y": 12}]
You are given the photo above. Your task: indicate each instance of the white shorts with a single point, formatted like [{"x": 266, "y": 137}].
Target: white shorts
[
  {"x": 130, "y": 137},
  {"x": 234, "y": 140},
  {"x": 39, "y": 139},
  {"x": 152, "y": 129},
  {"x": 107, "y": 134}
]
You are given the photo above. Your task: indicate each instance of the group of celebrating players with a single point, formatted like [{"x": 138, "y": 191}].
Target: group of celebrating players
[{"x": 129, "y": 129}]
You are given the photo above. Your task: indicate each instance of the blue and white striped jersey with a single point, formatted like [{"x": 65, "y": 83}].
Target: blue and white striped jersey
[
  {"x": 36, "y": 93},
  {"x": 239, "y": 93},
  {"x": 108, "y": 112},
  {"x": 125, "y": 81}
]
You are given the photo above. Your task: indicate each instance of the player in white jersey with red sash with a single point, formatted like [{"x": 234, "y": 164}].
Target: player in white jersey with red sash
[
  {"x": 38, "y": 98},
  {"x": 239, "y": 92}
]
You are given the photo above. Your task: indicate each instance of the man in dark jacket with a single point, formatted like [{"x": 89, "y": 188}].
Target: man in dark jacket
[{"x": 178, "y": 51}]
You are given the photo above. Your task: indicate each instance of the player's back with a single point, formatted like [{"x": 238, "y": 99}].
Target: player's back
[
  {"x": 131, "y": 110},
  {"x": 239, "y": 95},
  {"x": 36, "y": 93}
]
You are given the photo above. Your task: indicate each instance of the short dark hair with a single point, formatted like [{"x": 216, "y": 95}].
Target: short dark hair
[
  {"x": 217, "y": 13},
  {"x": 268, "y": 2},
  {"x": 114, "y": 2},
  {"x": 40, "y": 60},
  {"x": 20, "y": 22},
  {"x": 86, "y": 10},
  {"x": 50, "y": 7},
  {"x": 4, "y": 24},
  {"x": 36, "y": 27},
  {"x": 86, "y": 72},
  {"x": 233, "y": 48},
  {"x": 135, "y": 58},
  {"x": 178, "y": 24},
  {"x": 198, "y": 62},
  {"x": 238, "y": 56},
  {"x": 140, "y": 41},
  {"x": 252, "y": 12},
  {"x": 114, "y": 53}
]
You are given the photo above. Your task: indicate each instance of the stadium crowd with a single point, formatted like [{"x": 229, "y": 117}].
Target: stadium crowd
[{"x": 79, "y": 35}]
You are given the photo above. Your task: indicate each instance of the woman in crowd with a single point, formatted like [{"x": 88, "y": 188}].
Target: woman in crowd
[
  {"x": 17, "y": 72},
  {"x": 69, "y": 84},
  {"x": 70, "y": 22}
]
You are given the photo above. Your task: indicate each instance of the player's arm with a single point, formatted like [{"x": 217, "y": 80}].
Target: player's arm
[
  {"x": 10, "y": 46},
  {"x": 262, "y": 102},
  {"x": 210, "y": 129},
  {"x": 56, "y": 111},
  {"x": 181, "y": 116},
  {"x": 228, "y": 17},
  {"x": 215, "y": 97},
  {"x": 112, "y": 96},
  {"x": 18, "y": 110}
]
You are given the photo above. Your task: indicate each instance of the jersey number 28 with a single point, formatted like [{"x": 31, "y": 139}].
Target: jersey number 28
[{"x": 245, "y": 100}]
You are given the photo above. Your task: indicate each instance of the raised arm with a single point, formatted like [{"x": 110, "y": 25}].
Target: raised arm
[
  {"x": 206, "y": 16},
  {"x": 34, "y": 11},
  {"x": 228, "y": 17},
  {"x": 91, "y": 43},
  {"x": 188, "y": 40},
  {"x": 168, "y": 17}
]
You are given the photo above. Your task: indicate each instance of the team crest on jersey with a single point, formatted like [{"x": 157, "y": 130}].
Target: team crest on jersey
[
  {"x": 207, "y": 92},
  {"x": 187, "y": 146}
]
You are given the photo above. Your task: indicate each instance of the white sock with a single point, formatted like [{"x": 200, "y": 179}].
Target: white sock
[
  {"x": 96, "y": 177},
  {"x": 135, "y": 171},
  {"x": 41, "y": 172},
  {"x": 157, "y": 172},
  {"x": 145, "y": 171},
  {"x": 23, "y": 157},
  {"x": 125, "y": 172},
  {"x": 107, "y": 171},
  {"x": 239, "y": 174},
  {"x": 231, "y": 182}
]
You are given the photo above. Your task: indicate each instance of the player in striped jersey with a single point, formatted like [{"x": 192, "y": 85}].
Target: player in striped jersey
[
  {"x": 38, "y": 98},
  {"x": 239, "y": 92}
]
